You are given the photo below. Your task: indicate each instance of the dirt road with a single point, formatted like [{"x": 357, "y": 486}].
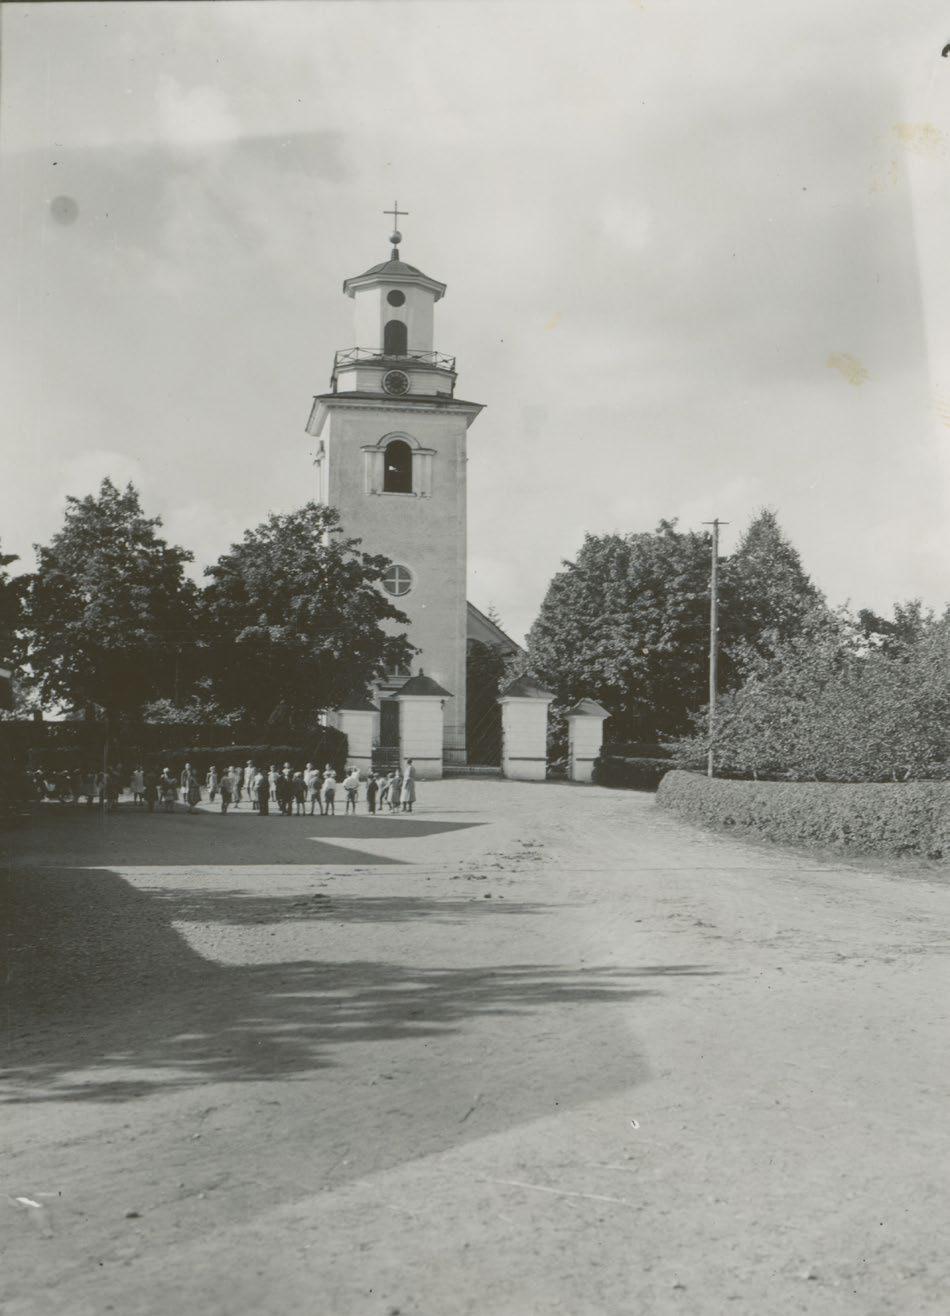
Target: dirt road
[{"x": 536, "y": 1049}]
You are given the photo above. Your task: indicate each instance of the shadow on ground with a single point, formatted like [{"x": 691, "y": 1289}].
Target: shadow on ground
[
  {"x": 105, "y": 1000},
  {"x": 130, "y": 836}
]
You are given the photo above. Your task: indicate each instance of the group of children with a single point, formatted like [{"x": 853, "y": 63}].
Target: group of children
[{"x": 293, "y": 791}]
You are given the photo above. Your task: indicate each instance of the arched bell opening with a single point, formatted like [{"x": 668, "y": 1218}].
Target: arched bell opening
[
  {"x": 395, "y": 338},
  {"x": 397, "y": 467}
]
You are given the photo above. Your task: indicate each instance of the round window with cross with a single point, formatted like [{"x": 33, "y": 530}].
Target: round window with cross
[{"x": 397, "y": 580}]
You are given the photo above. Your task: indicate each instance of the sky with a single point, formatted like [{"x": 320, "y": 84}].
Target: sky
[{"x": 696, "y": 262}]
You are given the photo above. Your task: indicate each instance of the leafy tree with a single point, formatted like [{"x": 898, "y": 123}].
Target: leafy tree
[
  {"x": 908, "y": 625},
  {"x": 11, "y": 607},
  {"x": 11, "y": 616},
  {"x": 296, "y": 621},
  {"x": 626, "y": 624},
  {"x": 829, "y": 707},
  {"x": 107, "y": 607},
  {"x": 766, "y": 595},
  {"x": 485, "y": 673},
  {"x": 191, "y": 711}
]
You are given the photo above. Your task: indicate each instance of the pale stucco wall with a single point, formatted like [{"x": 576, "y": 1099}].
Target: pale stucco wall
[
  {"x": 371, "y": 312},
  {"x": 420, "y": 735},
  {"x": 368, "y": 378},
  {"x": 584, "y": 738},
  {"x": 425, "y": 534},
  {"x": 358, "y": 726},
  {"x": 524, "y": 728}
]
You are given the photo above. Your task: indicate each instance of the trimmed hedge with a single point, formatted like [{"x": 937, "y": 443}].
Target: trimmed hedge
[
  {"x": 634, "y": 749},
  {"x": 635, "y": 774},
  {"x": 901, "y": 818},
  {"x": 330, "y": 747},
  {"x": 55, "y": 746}
]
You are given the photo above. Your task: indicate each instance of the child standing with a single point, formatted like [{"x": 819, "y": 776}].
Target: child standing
[
  {"x": 329, "y": 793},
  {"x": 372, "y": 790},
  {"x": 312, "y": 780},
  {"x": 351, "y": 784}
]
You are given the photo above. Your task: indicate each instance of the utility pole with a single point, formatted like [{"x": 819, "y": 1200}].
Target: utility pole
[{"x": 713, "y": 637}]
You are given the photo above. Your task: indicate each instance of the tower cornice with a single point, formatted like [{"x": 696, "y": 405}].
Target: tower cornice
[
  {"x": 396, "y": 272},
  {"x": 325, "y": 403}
]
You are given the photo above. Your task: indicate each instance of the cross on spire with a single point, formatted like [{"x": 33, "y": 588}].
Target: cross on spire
[
  {"x": 397, "y": 236},
  {"x": 395, "y": 212}
]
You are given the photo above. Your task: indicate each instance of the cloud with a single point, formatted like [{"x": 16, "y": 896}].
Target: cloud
[
  {"x": 83, "y": 473},
  {"x": 688, "y": 193},
  {"x": 193, "y": 116}
]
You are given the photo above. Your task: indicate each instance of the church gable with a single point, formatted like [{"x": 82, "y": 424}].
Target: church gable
[{"x": 483, "y": 630}]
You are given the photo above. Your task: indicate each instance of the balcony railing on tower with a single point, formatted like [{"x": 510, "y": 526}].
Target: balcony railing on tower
[{"x": 358, "y": 356}]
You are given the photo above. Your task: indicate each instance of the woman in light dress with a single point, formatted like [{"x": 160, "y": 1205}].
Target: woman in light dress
[
  {"x": 408, "y": 787},
  {"x": 190, "y": 788}
]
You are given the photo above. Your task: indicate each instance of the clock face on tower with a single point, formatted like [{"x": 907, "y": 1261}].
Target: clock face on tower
[{"x": 396, "y": 382}]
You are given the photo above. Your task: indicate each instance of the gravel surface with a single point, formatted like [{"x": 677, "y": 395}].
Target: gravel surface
[{"x": 535, "y": 1049}]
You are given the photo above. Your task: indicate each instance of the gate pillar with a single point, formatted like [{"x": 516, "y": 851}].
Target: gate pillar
[
  {"x": 585, "y": 736},
  {"x": 421, "y": 724},
  {"x": 356, "y": 720},
  {"x": 524, "y": 730}
]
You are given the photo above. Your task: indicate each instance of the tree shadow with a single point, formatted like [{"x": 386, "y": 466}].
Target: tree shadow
[
  {"x": 105, "y": 1001},
  {"x": 130, "y": 836}
]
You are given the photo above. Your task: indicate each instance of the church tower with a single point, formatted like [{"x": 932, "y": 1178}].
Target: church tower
[{"x": 391, "y": 458}]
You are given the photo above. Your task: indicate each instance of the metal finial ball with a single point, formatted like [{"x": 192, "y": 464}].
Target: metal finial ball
[{"x": 396, "y": 238}]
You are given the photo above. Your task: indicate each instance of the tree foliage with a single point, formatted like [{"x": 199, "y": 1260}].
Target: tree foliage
[
  {"x": 627, "y": 622},
  {"x": 106, "y": 607},
  {"x": 908, "y": 624},
  {"x": 829, "y": 707},
  {"x": 191, "y": 711},
  {"x": 765, "y": 597},
  {"x": 11, "y": 617},
  {"x": 295, "y": 620},
  {"x": 485, "y": 673},
  {"x": 624, "y": 624},
  {"x": 11, "y": 607}
]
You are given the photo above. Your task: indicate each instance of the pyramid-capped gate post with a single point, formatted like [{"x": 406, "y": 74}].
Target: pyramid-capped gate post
[
  {"x": 421, "y": 724},
  {"x": 524, "y": 730},
  {"x": 357, "y": 717},
  {"x": 585, "y": 738}
]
